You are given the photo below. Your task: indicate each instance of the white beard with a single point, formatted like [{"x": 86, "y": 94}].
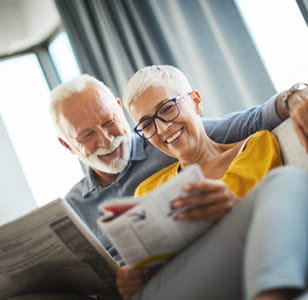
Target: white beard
[{"x": 116, "y": 165}]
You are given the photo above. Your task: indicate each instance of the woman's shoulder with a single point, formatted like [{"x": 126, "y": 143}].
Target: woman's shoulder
[
  {"x": 265, "y": 136},
  {"x": 264, "y": 144}
]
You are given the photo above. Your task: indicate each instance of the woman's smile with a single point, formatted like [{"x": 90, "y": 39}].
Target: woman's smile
[{"x": 171, "y": 139}]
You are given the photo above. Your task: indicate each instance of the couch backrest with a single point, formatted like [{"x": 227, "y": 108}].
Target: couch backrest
[{"x": 292, "y": 151}]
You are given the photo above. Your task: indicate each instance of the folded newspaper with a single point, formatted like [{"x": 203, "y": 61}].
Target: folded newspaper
[
  {"x": 144, "y": 230},
  {"x": 51, "y": 250}
]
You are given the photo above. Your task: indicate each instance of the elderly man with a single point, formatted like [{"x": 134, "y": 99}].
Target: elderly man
[{"x": 91, "y": 124}]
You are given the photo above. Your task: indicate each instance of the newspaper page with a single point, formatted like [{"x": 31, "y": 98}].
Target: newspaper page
[
  {"x": 51, "y": 250},
  {"x": 149, "y": 233}
]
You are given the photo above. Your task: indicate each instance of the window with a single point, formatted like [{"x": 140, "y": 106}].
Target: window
[
  {"x": 280, "y": 34},
  {"x": 24, "y": 105},
  {"x": 63, "y": 57}
]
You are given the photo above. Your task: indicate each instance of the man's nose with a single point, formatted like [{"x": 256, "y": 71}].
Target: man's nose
[{"x": 104, "y": 137}]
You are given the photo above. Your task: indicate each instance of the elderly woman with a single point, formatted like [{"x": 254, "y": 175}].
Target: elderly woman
[{"x": 167, "y": 113}]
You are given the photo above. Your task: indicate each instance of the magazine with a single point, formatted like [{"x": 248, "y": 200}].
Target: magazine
[
  {"x": 144, "y": 230},
  {"x": 51, "y": 250}
]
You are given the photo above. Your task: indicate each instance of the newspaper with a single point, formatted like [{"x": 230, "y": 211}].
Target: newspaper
[
  {"x": 51, "y": 250},
  {"x": 144, "y": 230}
]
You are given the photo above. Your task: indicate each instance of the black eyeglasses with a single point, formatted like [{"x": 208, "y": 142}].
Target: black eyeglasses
[{"x": 167, "y": 112}]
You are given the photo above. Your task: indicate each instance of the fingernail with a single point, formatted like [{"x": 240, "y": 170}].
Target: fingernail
[
  {"x": 176, "y": 203},
  {"x": 186, "y": 187},
  {"x": 180, "y": 217}
]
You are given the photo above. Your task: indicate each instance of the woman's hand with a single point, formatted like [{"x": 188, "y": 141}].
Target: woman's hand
[
  {"x": 210, "y": 200},
  {"x": 129, "y": 281}
]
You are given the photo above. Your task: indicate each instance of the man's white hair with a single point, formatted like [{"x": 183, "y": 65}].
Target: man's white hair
[
  {"x": 156, "y": 75},
  {"x": 66, "y": 90}
]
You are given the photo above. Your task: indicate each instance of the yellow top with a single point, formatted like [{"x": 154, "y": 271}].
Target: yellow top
[{"x": 261, "y": 154}]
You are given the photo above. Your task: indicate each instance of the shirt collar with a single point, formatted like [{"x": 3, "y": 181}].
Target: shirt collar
[{"x": 138, "y": 148}]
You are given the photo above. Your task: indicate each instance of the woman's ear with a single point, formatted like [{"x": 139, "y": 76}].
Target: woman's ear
[{"x": 197, "y": 99}]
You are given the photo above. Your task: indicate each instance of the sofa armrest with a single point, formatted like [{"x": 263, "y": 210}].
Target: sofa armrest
[{"x": 292, "y": 151}]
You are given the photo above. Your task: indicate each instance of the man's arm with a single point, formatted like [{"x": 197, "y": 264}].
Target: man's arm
[
  {"x": 237, "y": 126},
  {"x": 296, "y": 104}
]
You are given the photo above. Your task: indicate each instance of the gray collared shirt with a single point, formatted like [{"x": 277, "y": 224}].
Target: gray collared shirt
[{"x": 145, "y": 160}]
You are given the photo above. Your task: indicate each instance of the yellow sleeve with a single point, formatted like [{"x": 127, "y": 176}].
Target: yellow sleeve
[
  {"x": 157, "y": 179},
  {"x": 261, "y": 154}
]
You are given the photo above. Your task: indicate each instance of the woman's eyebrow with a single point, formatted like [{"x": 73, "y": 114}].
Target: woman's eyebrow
[
  {"x": 158, "y": 105},
  {"x": 144, "y": 118}
]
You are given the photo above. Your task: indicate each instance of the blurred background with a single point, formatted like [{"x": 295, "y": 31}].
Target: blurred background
[{"x": 237, "y": 53}]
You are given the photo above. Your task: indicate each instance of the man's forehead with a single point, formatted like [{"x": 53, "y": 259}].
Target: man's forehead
[
  {"x": 87, "y": 108},
  {"x": 96, "y": 93},
  {"x": 91, "y": 98}
]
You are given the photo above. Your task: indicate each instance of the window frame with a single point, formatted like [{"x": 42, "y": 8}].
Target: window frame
[{"x": 44, "y": 58}]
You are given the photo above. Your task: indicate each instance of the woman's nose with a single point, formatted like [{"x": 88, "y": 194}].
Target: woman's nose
[{"x": 161, "y": 125}]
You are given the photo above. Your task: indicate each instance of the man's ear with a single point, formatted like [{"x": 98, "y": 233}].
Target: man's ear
[
  {"x": 197, "y": 99},
  {"x": 66, "y": 145}
]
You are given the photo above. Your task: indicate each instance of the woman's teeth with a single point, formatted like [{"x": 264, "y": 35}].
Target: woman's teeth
[{"x": 172, "y": 138}]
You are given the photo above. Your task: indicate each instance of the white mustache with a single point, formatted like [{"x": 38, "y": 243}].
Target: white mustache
[{"x": 107, "y": 150}]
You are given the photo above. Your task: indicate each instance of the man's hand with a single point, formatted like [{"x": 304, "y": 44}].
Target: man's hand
[
  {"x": 298, "y": 112},
  {"x": 209, "y": 200},
  {"x": 298, "y": 103},
  {"x": 129, "y": 281}
]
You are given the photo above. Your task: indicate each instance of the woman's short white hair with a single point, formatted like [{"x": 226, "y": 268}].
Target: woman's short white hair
[
  {"x": 69, "y": 88},
  {"x": 156, "y": 75}
]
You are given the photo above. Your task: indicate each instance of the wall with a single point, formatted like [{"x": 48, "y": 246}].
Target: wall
[{"x": 15, "y": 196}]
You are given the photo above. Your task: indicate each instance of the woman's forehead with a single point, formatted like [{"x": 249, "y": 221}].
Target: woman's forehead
[{"x": 148, "y": 100}]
